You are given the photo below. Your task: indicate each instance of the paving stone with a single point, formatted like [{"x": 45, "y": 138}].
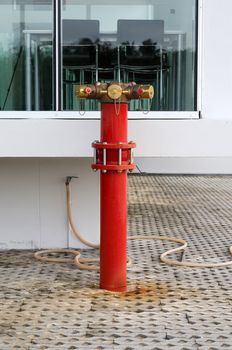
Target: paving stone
[{"x": 56, "y": 306}]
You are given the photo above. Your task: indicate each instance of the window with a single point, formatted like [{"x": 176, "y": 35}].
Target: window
[
  {"x": 26, "y": 55},
  {"x": 146, "y": 41}
]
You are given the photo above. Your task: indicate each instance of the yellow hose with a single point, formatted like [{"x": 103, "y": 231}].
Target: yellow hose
[{"x": 82, "y": 263}]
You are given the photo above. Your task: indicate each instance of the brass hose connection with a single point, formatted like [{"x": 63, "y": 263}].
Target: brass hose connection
[{"x": 115, "y": 91}]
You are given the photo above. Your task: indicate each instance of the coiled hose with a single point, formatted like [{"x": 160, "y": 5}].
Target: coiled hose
[{"x": 83, "y": 263}]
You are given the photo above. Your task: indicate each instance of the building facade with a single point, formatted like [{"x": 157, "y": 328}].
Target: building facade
[{"x": 47, "y": 47}]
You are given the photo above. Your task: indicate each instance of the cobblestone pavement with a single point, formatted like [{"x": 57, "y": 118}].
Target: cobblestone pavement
[{"x": 50, "y": 306}]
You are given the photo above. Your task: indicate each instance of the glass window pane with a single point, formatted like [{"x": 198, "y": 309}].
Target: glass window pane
[
  {"x": 146, "y": 41},
  {"x": 26, "y": 55}
]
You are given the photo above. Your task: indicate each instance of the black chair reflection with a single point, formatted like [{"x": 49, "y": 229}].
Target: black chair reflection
[
  {"x": 80, "y": 54},
  {"x": 107, "y": 61},
  {"x": 140, "y": 53}
]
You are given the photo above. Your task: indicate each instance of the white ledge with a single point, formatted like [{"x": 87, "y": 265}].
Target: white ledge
[{"x": 154, "y": 138}]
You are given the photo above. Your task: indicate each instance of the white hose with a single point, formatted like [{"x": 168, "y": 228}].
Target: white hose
[
  {"x": 74, "y": 229},
  {"x": 83, "y": 263}
]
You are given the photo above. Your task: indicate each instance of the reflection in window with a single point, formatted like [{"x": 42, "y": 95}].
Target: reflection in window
[
  {"x": 147, "y": 41},
  {"x": 26, "y": 55}
]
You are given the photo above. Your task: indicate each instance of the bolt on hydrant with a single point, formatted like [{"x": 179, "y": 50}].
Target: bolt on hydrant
[{"x": 113, "y": 156}]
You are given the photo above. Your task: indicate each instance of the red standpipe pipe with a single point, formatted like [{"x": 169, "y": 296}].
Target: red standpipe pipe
[{"x": 113, "y": 206}]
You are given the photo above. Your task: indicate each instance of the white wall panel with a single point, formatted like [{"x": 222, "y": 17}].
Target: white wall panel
[
  {"x": 19, "y": 204},
  {"x": 155, "y": 138},
  {"x": 188, "y": 138},
  {"x": 33, "y": 202},
  {"x": 217, "y": 63},
  {"x": 185, "y": 165}
]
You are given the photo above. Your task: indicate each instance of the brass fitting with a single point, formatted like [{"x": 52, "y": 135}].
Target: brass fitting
[
  {"x": 145, "y": 91},
  {"x": 139, "y": 92},
  {"x": 114, "y": 91},
  {"x": 83, "y": 91},
  {"x": 108, "y": 93}
]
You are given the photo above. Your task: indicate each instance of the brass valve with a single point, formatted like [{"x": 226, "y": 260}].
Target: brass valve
[
  {"x": 115, "y": 91},
  {"x": 84, "y": 91}
]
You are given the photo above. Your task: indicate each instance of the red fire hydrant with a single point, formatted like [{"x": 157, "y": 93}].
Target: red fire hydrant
[{"x": 113, "y": 156}]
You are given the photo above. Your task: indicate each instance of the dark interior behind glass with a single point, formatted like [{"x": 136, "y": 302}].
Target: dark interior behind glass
[
  {"x": 149, "y": 42},
  {"x": 146, "y": 41}
]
